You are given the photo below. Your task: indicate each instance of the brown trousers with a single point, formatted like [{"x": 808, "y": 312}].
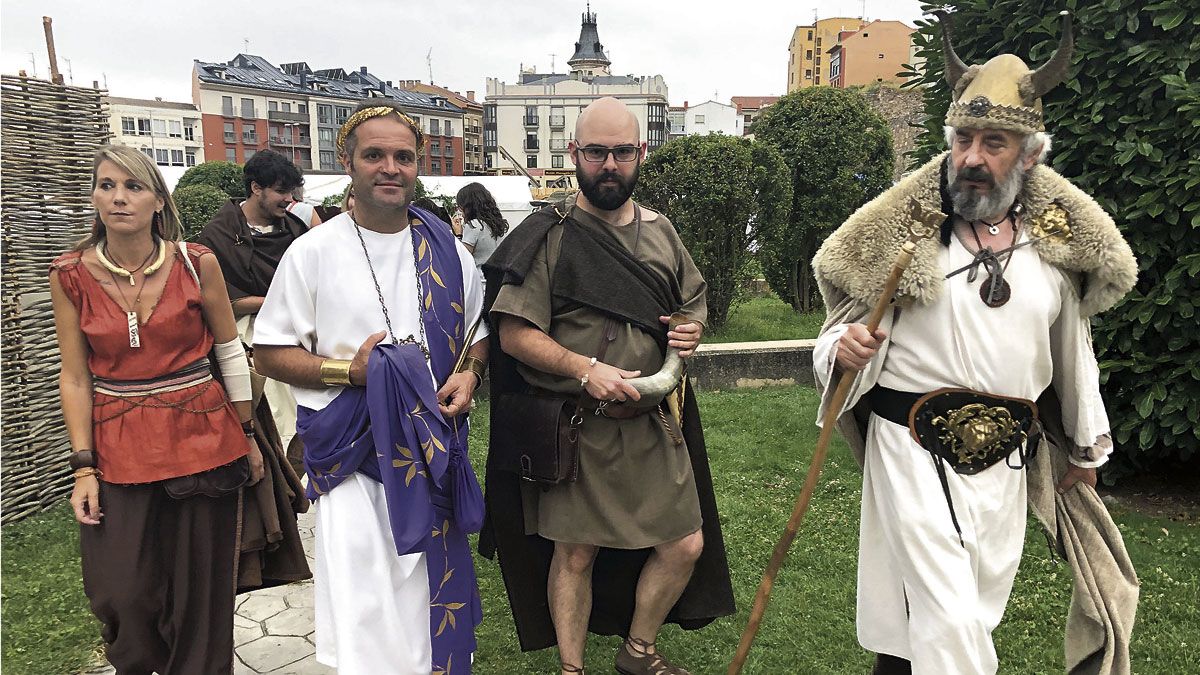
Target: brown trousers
[{"x": 159, "y": 574}]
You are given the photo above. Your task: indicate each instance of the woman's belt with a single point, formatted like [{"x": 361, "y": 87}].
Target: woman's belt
[
  {"x": 190, "y": 375},
  {"x": 969, "y": 430}
]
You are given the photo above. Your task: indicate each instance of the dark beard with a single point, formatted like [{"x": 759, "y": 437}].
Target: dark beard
[
  {"x": 607, "y": 197},
  {"x": 973, "y": 205}
]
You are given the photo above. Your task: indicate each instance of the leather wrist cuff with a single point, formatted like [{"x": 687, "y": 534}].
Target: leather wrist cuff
[{"x": 82, "y": 459}]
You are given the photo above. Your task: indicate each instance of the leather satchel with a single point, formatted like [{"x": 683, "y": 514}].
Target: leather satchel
[
  {"x": 541, "y": 442},
  {"x": 543, "y": 445},
  {"x": 217, "y": 482}
]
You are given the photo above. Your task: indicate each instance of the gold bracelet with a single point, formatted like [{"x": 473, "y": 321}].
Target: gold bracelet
[
  {"x": 474, "y": 366},
  {"x": 87, "y": 471},
  {"x": 335, "y": 373}
]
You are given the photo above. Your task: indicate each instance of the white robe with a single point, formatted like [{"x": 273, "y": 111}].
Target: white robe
[
  {"x": 921, "y": 595},
  {"x": 372, "y": 605}
]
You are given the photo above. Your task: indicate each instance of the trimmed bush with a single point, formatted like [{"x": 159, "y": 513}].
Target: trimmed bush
[
  {"x": 718, "y": 191},
  {"x": 1126, "y": 131},
  {"x": 225, "y": 176},
  {"x": 838, "y": 152},
  {"x": 197, "y": 205}
]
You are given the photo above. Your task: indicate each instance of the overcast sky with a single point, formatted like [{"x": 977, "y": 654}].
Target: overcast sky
[{"x": 145, "y": 48}]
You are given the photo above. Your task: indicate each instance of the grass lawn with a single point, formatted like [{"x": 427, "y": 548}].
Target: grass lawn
[
  {"x": 759, "y": 443},
  {"x": 767, "y": 318}
]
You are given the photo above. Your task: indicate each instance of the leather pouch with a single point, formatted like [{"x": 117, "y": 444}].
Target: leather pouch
[{"x": 543, "y": 442}]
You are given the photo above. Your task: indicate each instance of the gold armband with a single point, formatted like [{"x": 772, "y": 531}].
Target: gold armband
[
  {"x": 474, "y": 366},
  {"x": 335, "y": 373}
]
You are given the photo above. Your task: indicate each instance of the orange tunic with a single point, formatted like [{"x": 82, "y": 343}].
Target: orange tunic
[{"x": 176, "y": 431}]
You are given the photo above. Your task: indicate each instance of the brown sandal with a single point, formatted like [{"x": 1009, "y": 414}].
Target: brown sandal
[
  {"x": 571, "y": 668},
  {"x": 634, "y": 658}
]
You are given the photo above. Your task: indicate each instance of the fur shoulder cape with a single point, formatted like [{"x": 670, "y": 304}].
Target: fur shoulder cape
[{"x": 858, "y": 256}]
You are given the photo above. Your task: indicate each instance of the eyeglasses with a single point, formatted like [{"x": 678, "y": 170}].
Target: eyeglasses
[{"x": 622, "y": 153}]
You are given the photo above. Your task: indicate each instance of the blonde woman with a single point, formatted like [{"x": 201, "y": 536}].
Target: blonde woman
[{"x": 160, "y": 452}]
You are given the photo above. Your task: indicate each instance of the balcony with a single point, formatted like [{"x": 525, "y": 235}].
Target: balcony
[
  {"x": 287, "y": 142},
  {"x": 281, "y": 116},
  {"x": 558, "y": 145},
  {"x": 557, "y": 121},
  {"x": 305, "y": 164},
  {"x": 249, "y": 139},
  {"x": 531, "y": 120},
  {"x": 230, "y": 137},
  {"x": 531, "y": 144},
  {"x": 448, "y": 151}
]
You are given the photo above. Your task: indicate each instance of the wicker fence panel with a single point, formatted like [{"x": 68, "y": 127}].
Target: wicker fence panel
[{"x": 48, "y": 134}]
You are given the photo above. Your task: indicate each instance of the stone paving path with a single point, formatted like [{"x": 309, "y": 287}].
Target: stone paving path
[{"x": 273, "y": 627}]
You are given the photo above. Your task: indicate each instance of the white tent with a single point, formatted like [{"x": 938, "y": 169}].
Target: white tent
[{"x": 511, "y": 192}]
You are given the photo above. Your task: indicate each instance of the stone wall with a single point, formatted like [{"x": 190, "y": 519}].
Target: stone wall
[{"x": 905, "y": 112}]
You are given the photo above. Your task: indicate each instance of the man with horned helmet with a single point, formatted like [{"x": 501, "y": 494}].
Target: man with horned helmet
[{"x": 991, "y": 316}]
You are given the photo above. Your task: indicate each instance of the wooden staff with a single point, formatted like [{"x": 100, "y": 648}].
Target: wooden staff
[{"x": 925, "y": 224}]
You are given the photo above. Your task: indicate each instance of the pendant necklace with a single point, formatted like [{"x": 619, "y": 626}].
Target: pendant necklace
[
  {"x": 995, "y": 291},
  {"x": 131, "y": 317},
  {"x": 411, "y": 339}
]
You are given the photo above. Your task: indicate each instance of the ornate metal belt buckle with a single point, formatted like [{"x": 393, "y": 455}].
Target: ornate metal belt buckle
[{"x": 975, "y": 431}]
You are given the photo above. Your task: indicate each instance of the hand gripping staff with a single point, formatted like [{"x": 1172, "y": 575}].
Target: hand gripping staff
[{"x": 925, "y": 224}]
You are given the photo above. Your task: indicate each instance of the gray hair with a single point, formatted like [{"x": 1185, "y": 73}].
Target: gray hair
[{"x": 1039, "y": 142}]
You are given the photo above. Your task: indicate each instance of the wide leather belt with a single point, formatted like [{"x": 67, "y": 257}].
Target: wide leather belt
[{"x": 969, "y": 430}]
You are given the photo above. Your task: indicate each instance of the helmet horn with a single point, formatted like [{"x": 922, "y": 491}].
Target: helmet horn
[
  {"x": 954, "y": 68},
  {"x": 1054, "y": 71}
]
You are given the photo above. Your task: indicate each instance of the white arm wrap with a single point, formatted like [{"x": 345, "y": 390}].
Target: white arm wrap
[{"x": 235, "y": 369}]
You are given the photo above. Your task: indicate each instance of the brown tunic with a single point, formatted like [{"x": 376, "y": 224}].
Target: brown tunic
[{"x": 635, "y": 487}]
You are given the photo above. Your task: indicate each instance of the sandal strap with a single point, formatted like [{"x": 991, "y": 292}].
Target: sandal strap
[{"x": 571, "y": 668}]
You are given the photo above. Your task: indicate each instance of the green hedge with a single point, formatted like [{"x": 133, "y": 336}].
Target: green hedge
[
  {"x": 197, "y": 205},
  {"x": 1126, "y": 130},
  {"x": 225, "y": 176},
  {"x": 719, "y": 191}
]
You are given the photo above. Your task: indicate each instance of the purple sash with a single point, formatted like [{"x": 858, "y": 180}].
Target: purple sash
[{"x": 392, "y": 432}]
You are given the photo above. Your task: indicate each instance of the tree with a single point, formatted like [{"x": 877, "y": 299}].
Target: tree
[
  {"x": 197, "y": 205},
  {"x": 1126, "y": 132},
  {"x": 718, "y": 191},
  {"x": 225, "y": 176},
  {"x": 838, "y": 153}
]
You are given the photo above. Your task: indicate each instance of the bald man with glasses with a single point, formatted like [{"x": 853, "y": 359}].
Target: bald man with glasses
[{"x": 581, "y": 293}]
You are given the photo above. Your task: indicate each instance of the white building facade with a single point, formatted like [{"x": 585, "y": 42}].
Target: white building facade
[
  {"x": 533, "y": 120},
  {"x": 712, "y": 117},
  {"x": 167, "y": 132}
]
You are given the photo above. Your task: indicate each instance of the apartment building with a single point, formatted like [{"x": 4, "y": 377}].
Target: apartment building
[
  {"x": 808, "y": 61},
  {"x": 530, "y": 122},
  {"x": 875, "y": 53},
  {"x": 168, "y": 132},
  {"x": 249, "y": 104},
  {"x": 749, "y": 108},
  {"x": 472, "y": 134}
]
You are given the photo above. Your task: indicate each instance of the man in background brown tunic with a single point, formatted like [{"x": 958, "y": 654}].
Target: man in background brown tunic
[{"x": 637, "y": 488}]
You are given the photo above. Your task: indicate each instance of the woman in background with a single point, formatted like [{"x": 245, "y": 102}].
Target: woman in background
[{"x": 484, "y": 226}]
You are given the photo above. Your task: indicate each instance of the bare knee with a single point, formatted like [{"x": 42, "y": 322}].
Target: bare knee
[
  {"x": 575, "y": 559},
  {"x": 684, "y": 551}
]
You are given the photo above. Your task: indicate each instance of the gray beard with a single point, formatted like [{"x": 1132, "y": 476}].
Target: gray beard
[{"x": 971, "y": 204}]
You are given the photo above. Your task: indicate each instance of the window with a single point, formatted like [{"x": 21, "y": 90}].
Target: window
[
  {"x": 286, "y": 107},
  {"x": 230, "y": 155},
  {"x": 175, "y": 129},
  {"x": 810, "y": 35},
  {"x": 159, "y": 127},
  {"x": 128, "y": 126},
  {"x": 435, "y": 148},
  {"x": 817, "y": 79},
  {"x": 530, "y": 161},
  {"x": 189, "y": 132},
  {"x": 143, "y": 126},
  {"x": 343, "y": 112},
  {"x": 881, "y": 56},
  {"x": 248, "y": 108},
  {"x": 808, "y": 54},
  {"x": 324, "y": 114},
  {"x": 818, "y": 43},
  {"x": 161, "y": 157},
  {"x": 449, "y": 166},
  {"x": 699, "y": 119},
  {"x": 230, "y": 134},
  {"x": 435, "y": 167},
  {"x": 327, "y": 160},
  {"x": 808, "y": 73},
  {"x": 325, "y": 137},
  {"x": 189, "y": 157},
  {"x": 176, "y": 158},
  {"x": 435, "y": 127},
  {"x": 818, "y": 62},
  {"x": 227, "y": 106},
  {"x": 866, "y": 35},
  {"x": 556, "y": 162},
  {"x": 148, "y": 152},
  {"x": 302, "y": 108},
  {"x": 272, "y": 106},
  {"x": 531, "y": 141},
  {"x": 448, "y": 128}
]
